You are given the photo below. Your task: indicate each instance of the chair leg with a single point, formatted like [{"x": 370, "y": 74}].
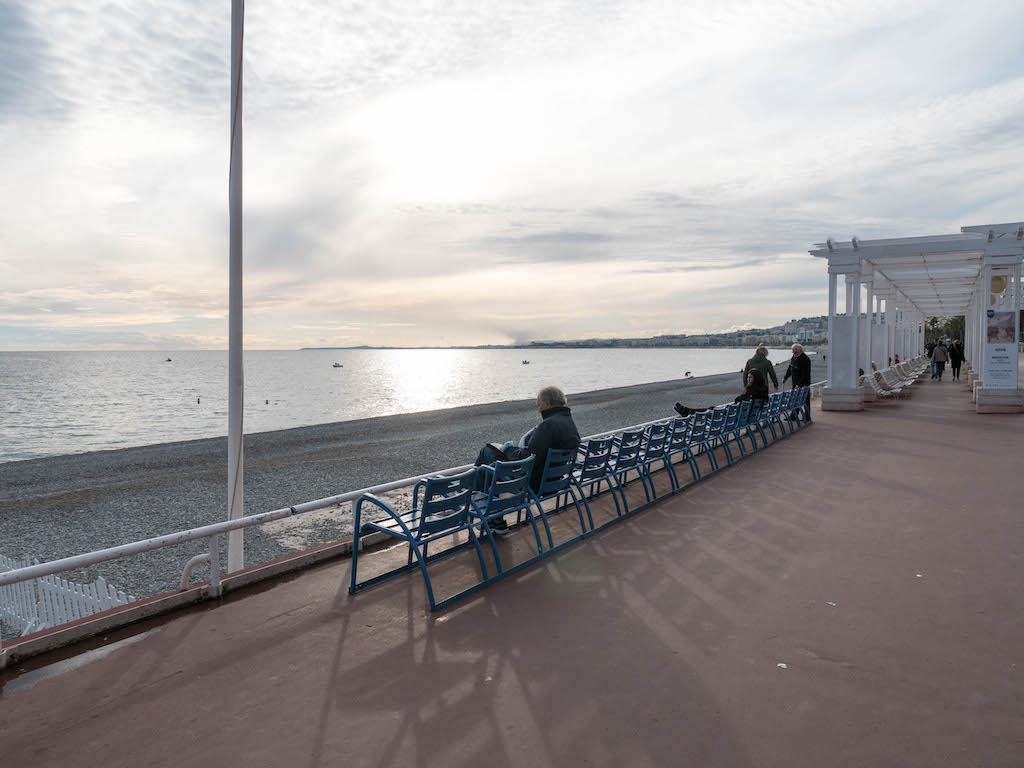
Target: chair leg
[
  {"x": 579, "y": 510},
  {"x": 544, "y": 522},
  {"x": 622, "y": 494},
  {"x": 671, "y": 470},
  {"x": 479, "y": 553},
  {"x": 355, "y": 556}
]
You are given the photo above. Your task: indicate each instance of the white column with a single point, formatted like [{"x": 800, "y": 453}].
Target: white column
[
  {"x": 869, "y": 311},
  {"x": 986, "y": 276},
  {"x": 854, "y": 313},
  {"x": 832, "y": 288}
]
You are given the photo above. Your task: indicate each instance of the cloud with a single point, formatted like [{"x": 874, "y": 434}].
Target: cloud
[{"x": 482, "y": 172}]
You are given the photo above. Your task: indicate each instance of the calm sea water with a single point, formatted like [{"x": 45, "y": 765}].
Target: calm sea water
[{"x": 54, "y": 403}]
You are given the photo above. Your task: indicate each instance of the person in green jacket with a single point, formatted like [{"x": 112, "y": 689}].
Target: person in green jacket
[{"x": 760, "y": 362}]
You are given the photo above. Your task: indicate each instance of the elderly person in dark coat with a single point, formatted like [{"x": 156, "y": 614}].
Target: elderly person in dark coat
[
  {"x": 800, "y": 371},
  {"x": 556, "y": 431}
]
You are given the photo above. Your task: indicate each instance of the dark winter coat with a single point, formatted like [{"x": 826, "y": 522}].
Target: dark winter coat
[
  {"x": 557, "y": 431},
  {"x": 800, "y": 370},
  {"x": 762, "y": 364},
  {"x": 956, "y": 355}
]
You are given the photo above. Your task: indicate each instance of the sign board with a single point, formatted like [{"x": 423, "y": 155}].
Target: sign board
[{"x": 1001, "y": 350}]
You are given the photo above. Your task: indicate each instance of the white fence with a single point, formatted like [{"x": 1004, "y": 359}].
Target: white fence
[{"x": 46, "y": 601}]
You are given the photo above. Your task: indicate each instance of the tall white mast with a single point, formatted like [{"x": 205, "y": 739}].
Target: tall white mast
[{"x": 236, "y": 383}]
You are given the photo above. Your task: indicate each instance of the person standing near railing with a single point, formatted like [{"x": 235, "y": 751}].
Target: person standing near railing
[{"x": 799, "y": 370}]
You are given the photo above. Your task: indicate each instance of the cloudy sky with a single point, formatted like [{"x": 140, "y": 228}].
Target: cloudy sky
[{"x": 482, "y": 172}]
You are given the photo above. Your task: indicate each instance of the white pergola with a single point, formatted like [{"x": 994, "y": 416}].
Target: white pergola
[{"x": 903, "y": 281}]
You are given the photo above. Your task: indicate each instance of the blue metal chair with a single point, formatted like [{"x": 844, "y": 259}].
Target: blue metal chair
[
  {"x": 655, "y": 449},
  {"x": 557, "y": 481},
  {"x": 730, "y": 419},
  {"x": 593, "y": 467},
  {"x": 679, "y": 439},
  {"x": 716, "y": 434},
  {"x": 444, "y": 511},
  {"x": 700, "y": 441},
  {"x": 800, "y": 404},
  {"x": 507, "y": 491},
  {"x": 747, "y": 422},
  {"x": 627, "y": 459},
  {"x": 770, "y": 415},
  {"x": 789, "y": 399}
]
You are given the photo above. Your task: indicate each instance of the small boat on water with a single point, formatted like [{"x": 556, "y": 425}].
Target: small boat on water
[
  {"x": 167, "y": 360},
  {"x": 526, "y": 362},
  {"x": 338, "y": 365}
]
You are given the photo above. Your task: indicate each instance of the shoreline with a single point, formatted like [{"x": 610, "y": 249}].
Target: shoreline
[{"x": 58, "y": 506}]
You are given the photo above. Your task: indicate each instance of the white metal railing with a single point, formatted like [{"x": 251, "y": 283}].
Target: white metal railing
[
  {"x": 46, "y": 601},
  {"x": 18, "y": 603},
  {"x": 214, "y": 531}
]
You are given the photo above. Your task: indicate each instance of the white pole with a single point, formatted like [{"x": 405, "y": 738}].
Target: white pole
[
  {"x": 236, "y": 385},
  {"x": 831, "y": 315}
]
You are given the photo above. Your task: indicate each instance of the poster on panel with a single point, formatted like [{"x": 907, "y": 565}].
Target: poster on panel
[{"x": 1001, "y": 350}]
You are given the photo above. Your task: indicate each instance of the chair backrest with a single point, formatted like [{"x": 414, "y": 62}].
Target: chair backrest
[
  {"x": 732, "y": 415},
  {"x": 557, "y": 474},
  {"x": 656, "y": 441},
  {"x": 679, "y": 434},
  {"x": 445, "y": 502},
  {"x": 699, "y": 427},
  {"x": 510, "y": 485},
  {"x": 630, "y": 443},
  {"x": 594, "y": 461},
  {"x": 744, "y": 413},
  {"x": 786, "y": 401},
  {"x": 717, "y": 422}
]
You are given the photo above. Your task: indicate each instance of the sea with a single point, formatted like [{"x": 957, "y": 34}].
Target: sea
[{"x": 54, "y": 403}]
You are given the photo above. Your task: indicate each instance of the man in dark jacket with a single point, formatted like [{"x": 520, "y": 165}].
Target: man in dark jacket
[
  {"x": 956, "y": 358},
  {"x": 556, "y": 430},
  {"x": 760, "y": 362},
  {"x": 800, "y": 371}
]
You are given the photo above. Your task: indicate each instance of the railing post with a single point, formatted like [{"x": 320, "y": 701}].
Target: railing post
[{"x": 215, "y": 566}]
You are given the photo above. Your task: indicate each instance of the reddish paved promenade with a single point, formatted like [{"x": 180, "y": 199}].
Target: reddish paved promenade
[{"x": 877, "y": 555}]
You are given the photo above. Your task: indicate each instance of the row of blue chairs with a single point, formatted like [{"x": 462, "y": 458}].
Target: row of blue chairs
[{"x": 445, "y": 506}]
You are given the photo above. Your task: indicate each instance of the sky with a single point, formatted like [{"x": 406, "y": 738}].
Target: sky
[{"x": 482, "y": 172}]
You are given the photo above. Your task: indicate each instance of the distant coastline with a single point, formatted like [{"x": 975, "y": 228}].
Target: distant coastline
[{"x": 807, "y": 330}]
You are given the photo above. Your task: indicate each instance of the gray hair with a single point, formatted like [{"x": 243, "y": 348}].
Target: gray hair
[
  {"x": 553, "y": 396},
  {"x": 798, "y": 348}
]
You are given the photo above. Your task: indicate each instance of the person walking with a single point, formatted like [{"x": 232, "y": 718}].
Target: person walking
[
  {"x": 939, "y": 357},
  {"x": 930, "y": 348},
  {"x": 956, "y": 358},
  {"x": 760, "y": 362}
]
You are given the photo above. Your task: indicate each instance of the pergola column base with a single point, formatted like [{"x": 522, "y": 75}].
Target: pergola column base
[
  {"x": 841, "y": 400},
  {"x": 990, "y": 400},
  {"x": 975, "y": 386},
  {"x": 867, "y": 395}
]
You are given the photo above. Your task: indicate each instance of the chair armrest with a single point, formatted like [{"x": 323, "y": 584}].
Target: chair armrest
[{"x": 378, "y": 502}]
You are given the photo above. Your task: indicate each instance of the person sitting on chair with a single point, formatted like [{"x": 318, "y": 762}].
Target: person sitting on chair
[
  {"x": 557, "y": 430},
  {"x": 756, "y": 390}
]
